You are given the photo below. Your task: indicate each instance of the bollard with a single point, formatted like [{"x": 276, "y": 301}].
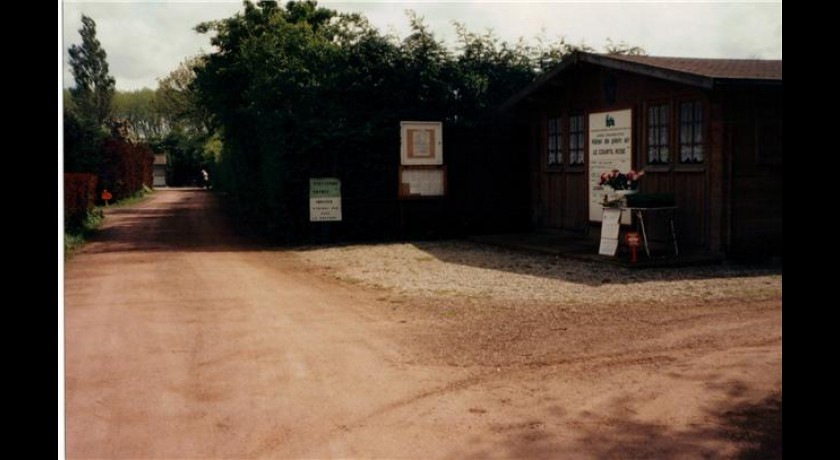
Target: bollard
[
  {"x": 106, "y": 195},
  {"x": 633, "y": 240}
]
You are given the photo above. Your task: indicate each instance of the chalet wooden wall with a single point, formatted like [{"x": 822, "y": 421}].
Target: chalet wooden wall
[
  {"x": 754, "y": 204},
  {"x": 560, "y": 195}
]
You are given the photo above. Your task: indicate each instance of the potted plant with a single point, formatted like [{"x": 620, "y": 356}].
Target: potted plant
[{"x": 620, "y": 182}]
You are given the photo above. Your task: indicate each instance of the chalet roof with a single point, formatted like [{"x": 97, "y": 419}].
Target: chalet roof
[
  {"x": 744, "y": 69},
  {"x": 705, "y": 73}
]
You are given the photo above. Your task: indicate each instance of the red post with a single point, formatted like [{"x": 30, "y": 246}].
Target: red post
[
  {"x": 633, "y": 240},
  {"x": 106, "y": 195}
]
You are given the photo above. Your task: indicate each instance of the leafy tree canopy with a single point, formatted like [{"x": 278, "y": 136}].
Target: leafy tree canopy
[
  {"x": 178, "y": 100},
  {"x": 141, "y": 109}
]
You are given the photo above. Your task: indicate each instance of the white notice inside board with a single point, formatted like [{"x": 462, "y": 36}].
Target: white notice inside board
[
  {"x": 422, "y": 182},
  {"x": 421, "y": 143}
]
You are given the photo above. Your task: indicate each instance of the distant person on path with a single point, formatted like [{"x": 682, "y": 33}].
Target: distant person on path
[{"x": 205, "y": 178}]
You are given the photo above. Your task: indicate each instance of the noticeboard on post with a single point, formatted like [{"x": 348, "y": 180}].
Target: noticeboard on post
[{"x": 422, "y": 173}]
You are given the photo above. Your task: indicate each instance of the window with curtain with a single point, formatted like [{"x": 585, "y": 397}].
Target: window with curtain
[
  {"x": 692, "y": 129},
  {"x": 555, "y": 141},
  {"x": 576, "y": 138},
  {"x": 658, "y": 124}
]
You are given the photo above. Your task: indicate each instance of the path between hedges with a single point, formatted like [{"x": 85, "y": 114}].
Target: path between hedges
[{"x": 183, "y": 341}]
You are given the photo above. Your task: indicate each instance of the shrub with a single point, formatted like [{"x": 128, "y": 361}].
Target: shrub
[
  {"x": 79, "y": 197},
  {"x": 126, "y": 167}
]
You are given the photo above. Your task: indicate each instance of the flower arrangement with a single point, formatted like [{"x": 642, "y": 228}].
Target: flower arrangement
[{"x": 618, "y": 181}]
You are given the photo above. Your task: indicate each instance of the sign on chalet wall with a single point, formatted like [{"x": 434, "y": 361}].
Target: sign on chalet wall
[{"x": 610, "y": 147}]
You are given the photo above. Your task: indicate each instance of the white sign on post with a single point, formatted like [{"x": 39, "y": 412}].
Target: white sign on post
[
  {"x": 610, "y": 147},
  {"x": 324, "y": 200}
]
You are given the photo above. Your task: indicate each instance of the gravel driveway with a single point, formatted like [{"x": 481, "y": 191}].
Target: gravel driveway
[{"x": 456, "y": 268}]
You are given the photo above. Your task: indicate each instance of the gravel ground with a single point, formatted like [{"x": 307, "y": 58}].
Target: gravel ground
[{"x": 465, "y": 269}]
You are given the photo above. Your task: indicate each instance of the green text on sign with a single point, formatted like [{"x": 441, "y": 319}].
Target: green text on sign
[{"x": 324, "y": 187}]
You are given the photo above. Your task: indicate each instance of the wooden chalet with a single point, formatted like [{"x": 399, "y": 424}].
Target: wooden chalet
[{"x": 706, "y": 131}]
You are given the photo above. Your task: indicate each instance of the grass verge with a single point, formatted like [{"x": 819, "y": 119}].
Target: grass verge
[
  {"x": 138, "y": 197},
  {"x": 75, "y": 235}
]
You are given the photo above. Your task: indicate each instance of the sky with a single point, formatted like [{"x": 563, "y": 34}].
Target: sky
[{"x": 145, "y": 40}]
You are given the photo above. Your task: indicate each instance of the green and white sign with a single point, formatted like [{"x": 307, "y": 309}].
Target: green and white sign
[{"x": 324, "y": 199}]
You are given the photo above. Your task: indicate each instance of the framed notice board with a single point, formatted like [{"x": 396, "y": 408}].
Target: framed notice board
[{"x": 421, "y": 143}]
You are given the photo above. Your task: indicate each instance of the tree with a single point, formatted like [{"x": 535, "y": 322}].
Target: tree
[
  {"x": 623, "y": 48},
  {"x": 94, "y": 88},
  {"x": 141, "y": 109},
  {"x": 184, "y": 154},
  {"x": 177, "y": 99},
  {"x": 82, "y": 143}
]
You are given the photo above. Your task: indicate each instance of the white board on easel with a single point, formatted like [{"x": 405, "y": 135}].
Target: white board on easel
[{"x": 610, "y": 227}]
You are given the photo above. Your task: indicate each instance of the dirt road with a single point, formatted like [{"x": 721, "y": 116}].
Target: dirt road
[{"x": 183, "y": 341}]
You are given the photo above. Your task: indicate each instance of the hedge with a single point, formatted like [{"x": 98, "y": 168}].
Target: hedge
[
  {"x": 126, "y": 167},
  {"x": 79, "y": 197}
]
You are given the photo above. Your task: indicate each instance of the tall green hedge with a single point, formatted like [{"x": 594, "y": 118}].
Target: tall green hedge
[{"x": 302, "y": 91}]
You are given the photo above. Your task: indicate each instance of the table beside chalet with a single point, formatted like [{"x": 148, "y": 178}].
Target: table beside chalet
[{"x": 640, "y": 212}]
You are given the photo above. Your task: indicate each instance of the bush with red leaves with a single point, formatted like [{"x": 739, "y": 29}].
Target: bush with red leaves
[
  {"x": 79, "y": 197},
  {"x": 126, "y": 167}
]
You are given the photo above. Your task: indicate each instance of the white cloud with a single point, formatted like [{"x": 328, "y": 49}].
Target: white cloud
[{"x": 146, "y": 40}]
